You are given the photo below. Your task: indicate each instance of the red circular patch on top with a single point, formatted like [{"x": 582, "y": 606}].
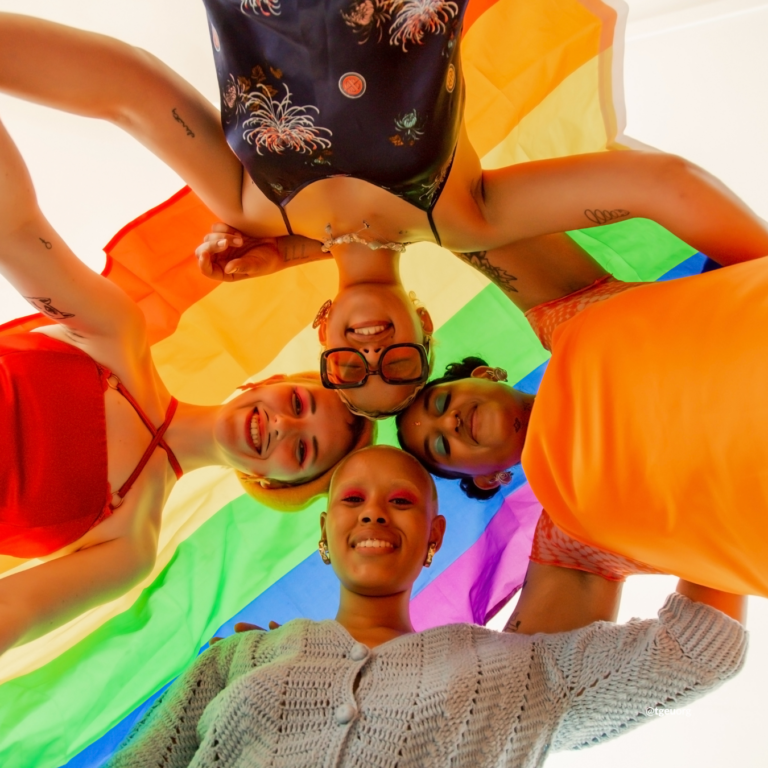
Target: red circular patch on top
[
  {"x": 352, "y": 85},
  {"x": 215, "y": 36}
]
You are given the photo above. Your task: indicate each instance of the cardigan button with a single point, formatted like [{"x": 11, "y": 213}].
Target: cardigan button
[
  {"x": 344, "y": 714},
  {"x": 358, "y": 652}
]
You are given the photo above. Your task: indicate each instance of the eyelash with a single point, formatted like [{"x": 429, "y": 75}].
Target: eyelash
[
  {"x": 298, "y": 406},
  {"x": 442, "y": 446},
  {"x": 353, "y": 498},
  {"x": 302, "y": 452},
  {"x": 446, "y": 402}
]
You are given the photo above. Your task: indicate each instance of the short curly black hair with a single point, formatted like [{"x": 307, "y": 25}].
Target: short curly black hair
[{"x": 453, "y": 372}]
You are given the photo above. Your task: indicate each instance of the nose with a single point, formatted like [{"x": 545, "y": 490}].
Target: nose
[
  {"x": 284, "y": 425},
  {"x": 372, "y": 355},
  {"x": 450, "y": 420},
  {"x": 374, "y": 511}
]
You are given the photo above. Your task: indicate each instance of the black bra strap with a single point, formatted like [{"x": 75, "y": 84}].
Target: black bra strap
[
  {"x": 285, "y": 219},
  {"x": 434, "y": 228}
]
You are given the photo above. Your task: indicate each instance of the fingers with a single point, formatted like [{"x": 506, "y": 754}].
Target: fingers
[{"x": 244, "y": 626}]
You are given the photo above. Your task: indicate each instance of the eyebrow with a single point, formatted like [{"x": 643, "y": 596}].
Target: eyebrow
[
  {"x": 312, "y": 406},
  {"x": 427, "y": 398},
  {"x": 314, "y": 446}
]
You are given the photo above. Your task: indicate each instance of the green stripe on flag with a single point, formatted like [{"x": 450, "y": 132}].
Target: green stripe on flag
[{"x": 51, "y": 714}]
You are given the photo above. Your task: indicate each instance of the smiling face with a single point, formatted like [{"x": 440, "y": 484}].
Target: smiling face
[
  {"x": 382, "y": 517},
  {"x": 470, "y": 426},
  {"x": 369, "y": 317},
  {"x": 285, "y": 429}
]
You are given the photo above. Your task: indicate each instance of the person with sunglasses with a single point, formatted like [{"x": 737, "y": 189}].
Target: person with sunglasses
[{"x": 396, "y": 166}]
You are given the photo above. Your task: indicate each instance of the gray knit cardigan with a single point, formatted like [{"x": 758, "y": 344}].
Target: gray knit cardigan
[{"x": 308, "y": 695}]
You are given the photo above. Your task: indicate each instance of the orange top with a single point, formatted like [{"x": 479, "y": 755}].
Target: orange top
[{"x": 649, "y": 434}]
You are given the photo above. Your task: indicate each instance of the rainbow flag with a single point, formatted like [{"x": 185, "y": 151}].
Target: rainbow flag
[{"x": 542, "y": 81}]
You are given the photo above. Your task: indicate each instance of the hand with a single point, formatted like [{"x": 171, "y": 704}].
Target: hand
[
  {"x": 227, "y": 255},
  {"x": 244, "y": 626}
]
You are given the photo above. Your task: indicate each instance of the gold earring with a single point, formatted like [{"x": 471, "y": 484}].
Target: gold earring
[
  {"x": 322, "y": 314},
  {"x": 498, "y": 374},
  {"x": 430, "y": 554},
  {"x": 322, "y": 546},
  {"x": 503, "y": 478}
]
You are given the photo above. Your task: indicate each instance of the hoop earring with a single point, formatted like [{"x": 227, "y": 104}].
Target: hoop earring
[
  {"x": 322, "y": 546},
  {"x": 503, "y": 478},
  {"x": 430, "y": 554},
  {"x": 322, "y": 314}
]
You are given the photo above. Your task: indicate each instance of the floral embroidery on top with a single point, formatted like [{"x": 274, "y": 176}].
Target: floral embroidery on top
[
  {"x": 433, "y": 188},
  {"x": 236, "y": 91},
  {"x": 264, "y": 7},
  {"x": 276, "y": 125},
  {"x": 366, "y": 17},
  {"x": 415, "y": 18},
  {"x": 410, "y": 128}
]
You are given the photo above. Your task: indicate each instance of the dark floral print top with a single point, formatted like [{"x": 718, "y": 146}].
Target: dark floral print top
[{"x": 317, "y": 88}]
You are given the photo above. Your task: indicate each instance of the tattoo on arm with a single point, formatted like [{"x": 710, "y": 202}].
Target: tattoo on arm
[
  {"x": 513, "y": 625},
  {"x": 47, "y": 243},
  {"x": 177, "y": 117},
  {"x": 295, "y": 251},
  {"x": 480, "y": 261},
  {"x": 44, "y": 305},
  {"x": 597, "y": 216}
]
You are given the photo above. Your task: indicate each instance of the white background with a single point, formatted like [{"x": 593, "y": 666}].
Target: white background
[{"x": 695, "y": 85}]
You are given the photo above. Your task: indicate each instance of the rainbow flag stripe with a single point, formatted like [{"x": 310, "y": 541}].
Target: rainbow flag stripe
[{"x": 541, "y": 82}]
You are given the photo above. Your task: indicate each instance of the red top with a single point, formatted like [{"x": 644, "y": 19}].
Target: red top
[{"x": 53, "y": 447}]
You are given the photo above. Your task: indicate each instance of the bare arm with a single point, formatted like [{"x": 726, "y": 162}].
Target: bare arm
[
  {"x": 731, "y": 605},
  {"x": 97, "y": 76},
  {"x": 536, "y": 270},
  {"x": 228, "y": 255},
  {"x": 44, "y": 270},
  {"x": 568, "y": 193},
  {"x": 42, "y": 598},
  {"x": 555, "y": 599}
]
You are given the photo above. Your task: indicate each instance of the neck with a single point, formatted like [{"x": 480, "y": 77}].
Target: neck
[
  {"x": 374, "y": 620},
  {"x": 359, "y": 264},
  {"x": 190, "y": 436}
]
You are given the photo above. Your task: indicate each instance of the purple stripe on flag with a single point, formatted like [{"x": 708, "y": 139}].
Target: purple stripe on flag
[{"x": 493, "y": 568}]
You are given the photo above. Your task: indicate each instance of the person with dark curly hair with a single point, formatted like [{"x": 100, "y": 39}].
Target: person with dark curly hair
[{"x": 647, "y": 437}]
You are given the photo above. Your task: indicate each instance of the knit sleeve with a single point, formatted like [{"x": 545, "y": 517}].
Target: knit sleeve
[
  {"x": 167, "y": 734},
  {"x": 610, "y": 677}
]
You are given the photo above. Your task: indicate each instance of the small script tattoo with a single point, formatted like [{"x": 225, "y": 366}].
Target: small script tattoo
[
  {"x": 44, "y": 305},
  {"x": 177, "y": 117},
  {"x": 518, "y": 425},
  {"x": 47, "y": 243},
  {"x": 480, "y": 261},
  {"x": 513, "y": 625},
  {"x": 596, "y": 216},
  {"x": 295, "y": 252}
]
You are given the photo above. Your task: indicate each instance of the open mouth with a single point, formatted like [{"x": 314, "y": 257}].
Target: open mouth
[
  {"x": 255, "y": 431},
  {"x": 374, "y": 546},
  {"x": 370, "y": 331}
]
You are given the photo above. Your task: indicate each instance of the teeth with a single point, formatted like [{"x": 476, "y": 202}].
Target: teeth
[
  {"x": 370, "y": 330},
  {"x": 376, "y": 543},
  {"x": 255, "y": 431}
]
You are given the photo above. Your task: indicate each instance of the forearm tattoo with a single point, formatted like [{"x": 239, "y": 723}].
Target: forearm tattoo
[
  {"x": 177, "y": 117},
  {"x": 44, "y": 306},
  {"x": 480, "y": 261},
  {"x": 596, "y": 216},
  {"x": 47, "y": 243},
  {"x": 295, "y": 251}
]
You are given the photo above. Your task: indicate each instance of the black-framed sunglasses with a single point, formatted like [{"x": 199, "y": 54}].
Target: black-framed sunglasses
[{"x": 347, "y": 368}]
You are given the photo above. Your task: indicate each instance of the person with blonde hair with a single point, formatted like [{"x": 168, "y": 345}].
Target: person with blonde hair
[{"x": 92, "y": 442}]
